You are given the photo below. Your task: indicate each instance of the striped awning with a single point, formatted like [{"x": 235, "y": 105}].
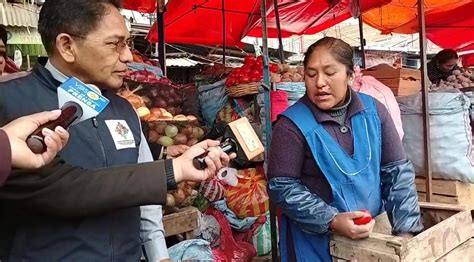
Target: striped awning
[{"x": 22, "y": 15}]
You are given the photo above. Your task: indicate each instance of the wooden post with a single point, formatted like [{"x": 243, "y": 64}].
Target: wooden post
[
  {"x": 425, "y": 101},
  {"x": 160, "y": 25}
]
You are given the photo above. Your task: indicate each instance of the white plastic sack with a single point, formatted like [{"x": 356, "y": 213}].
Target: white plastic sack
[{"x": 451, "y": 136}]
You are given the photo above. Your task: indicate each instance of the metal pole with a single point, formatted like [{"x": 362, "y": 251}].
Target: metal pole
[
  {"x": 160, "y": 24},
  {"x": 424, "y": 95},
  {"x": 361, "y": 33},
  {"x": 280, "y": 40},
  {"x": 224, "y": 34},
  {"x": 268, "y": 123}
]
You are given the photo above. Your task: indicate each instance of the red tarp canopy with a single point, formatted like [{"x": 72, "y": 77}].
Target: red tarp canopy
[
  {"x": 449, "y": 23},
  {"x": 309, "y": 16},
  {"x": 200, "y": 21},
  {"x": 142, "y": 6},
  {"x": 468, "y": 60}
]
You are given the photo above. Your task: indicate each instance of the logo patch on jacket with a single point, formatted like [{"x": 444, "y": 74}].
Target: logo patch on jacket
[{"x": 121, "y": 134}]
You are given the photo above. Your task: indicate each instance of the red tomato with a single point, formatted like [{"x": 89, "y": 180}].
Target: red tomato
[
  {"x": 260, "y": 59},
  {"x": 273, "y": 68},
  {"x": 363, "y": 220},
  {"x": 250, "y": 60},
  {"x": 244, "y": 79}
]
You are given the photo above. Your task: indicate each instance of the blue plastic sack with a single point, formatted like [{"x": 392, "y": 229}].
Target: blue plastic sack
[
  {"x": 194, "y": 250},
  {"x": 212, "y": 98}
]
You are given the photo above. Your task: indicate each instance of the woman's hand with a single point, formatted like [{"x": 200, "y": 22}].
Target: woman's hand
[{"x": 344, "y": 225}]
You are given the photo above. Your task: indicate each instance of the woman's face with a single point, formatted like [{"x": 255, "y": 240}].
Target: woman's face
[
  {"x": 448, "y": 65},
  {"x": 326, "y": 79}
]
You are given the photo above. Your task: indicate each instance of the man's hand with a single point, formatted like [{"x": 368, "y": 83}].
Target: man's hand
[
  {"x": 344, "y": 225},
  {"x": 215, "y": 160},
  {"x": 176, "y": 150},
  {"x": 18, "y": 131}
]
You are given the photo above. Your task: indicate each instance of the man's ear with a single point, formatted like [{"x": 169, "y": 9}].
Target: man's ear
[{"x": 66, "y": 47}]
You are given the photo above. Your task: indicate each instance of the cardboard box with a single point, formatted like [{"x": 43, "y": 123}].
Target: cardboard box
[{"x": 402, "y": 81}]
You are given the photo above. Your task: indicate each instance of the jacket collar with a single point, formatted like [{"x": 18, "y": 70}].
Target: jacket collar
[
  {"x": 52, "y": 77},
  {"x": 321, "y": 116}
]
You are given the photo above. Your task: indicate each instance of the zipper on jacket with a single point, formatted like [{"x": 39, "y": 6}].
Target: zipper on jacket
[{"x": 95, "y": 123}]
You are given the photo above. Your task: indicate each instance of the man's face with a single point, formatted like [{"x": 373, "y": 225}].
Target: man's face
[
  {"x": 101, "y": 57},
  {"x": 3, "y": 56}
]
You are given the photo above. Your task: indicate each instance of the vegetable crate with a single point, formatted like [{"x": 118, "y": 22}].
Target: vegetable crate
[
  {"x": 185, "y": 221},
  {"x": 402, "y": 81},
  {"x": 445, "y": 230},
  {"x": 448, "y": 192}
]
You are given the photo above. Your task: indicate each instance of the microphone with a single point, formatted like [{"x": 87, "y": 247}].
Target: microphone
[
  {"x": 70, "y": 112},
  {"x": 78, "y": 102},
  {"x": 239, "y": 137}
]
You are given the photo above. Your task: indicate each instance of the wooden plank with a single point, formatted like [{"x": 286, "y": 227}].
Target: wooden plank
[
  {"x": 382, "y": 243},
  {"x": 440, "y": 239},
  {"x": 354, "y": 253},
  {"x": 440, "y": 199},
  {"x": 441, "y": 206},
  {"x": 445, "y": 187},
  {"x": 181, "y": 222},
  {"x": 464, "y": 252}
]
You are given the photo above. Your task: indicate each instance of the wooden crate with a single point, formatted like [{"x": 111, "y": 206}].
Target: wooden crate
[
  {"x": 464, "y": 253},
  {"x": 185, "y": 221},
  {"x": 402, "y": 81},
  {"x": 445, "y": 230},
  {"x": 447, "y": 191}
]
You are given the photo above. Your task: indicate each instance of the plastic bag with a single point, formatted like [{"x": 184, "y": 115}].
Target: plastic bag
[
  {"x": 450, "y": 131},
  {"x": 233, "y": 250},
  {"x": 213, "y": 190},
  {"x": 212, "y": 98},
  {"x": 195, "y": 249},
  {"x": 236, "y": 223},
  {"x": 372, "y": 87},
  {"x": 208, "y": 230},
  {"x": 262, "y": 238},
  {"x": 249, "y": 198}
]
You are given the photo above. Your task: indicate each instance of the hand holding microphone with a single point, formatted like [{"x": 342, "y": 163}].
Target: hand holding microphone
[
  {"x": 70, "y": 112},
  {"x": 242, "y": 139},
  {"x": 214, "y": 160}
]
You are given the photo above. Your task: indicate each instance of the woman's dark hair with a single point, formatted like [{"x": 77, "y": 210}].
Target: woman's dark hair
[
  {"x": 445, "y": 55},
  {"x": 76, "y": 17},
  {"x": 3, "y": 34},
  {"x": 339, "y": 49}
]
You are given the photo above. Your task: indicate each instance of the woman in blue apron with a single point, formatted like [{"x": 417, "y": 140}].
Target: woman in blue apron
[{"x": 334, "y": 153}]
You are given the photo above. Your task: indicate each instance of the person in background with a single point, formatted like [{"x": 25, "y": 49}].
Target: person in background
[
  {"x": 334, "y": 153},
  {"x": 14, "y": 151},
  {"x": 442, "y": 65},
  {"x": 88, "y": 39},
  {"x": 8, "y": 69}
]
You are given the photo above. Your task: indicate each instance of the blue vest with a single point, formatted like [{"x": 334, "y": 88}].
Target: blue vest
[
  {"x": 109, "y": 237},
  {"x": 354, "y": 180}
]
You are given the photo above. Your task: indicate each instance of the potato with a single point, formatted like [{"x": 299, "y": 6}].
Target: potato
[{"x": 170, "y": 201}]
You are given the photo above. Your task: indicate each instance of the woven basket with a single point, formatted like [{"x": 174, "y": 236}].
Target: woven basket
[{"x": 243, "y": 89}]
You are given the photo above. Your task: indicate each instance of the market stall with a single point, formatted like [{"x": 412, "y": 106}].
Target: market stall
[{"x": 238, "y": 200}]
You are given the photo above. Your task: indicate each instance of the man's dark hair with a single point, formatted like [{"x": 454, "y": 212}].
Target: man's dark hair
[
  {"x": 3, "y": 34},
  {"x": 75, "y": 17}
]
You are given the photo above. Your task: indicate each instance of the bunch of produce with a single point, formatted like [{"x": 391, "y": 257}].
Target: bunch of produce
[
  {"x": 168, "y": 133},
  {"x": 250, "y": 72},
  {"x": 457, "y": 80},
  {"x": 212, "y": 74},
  {"x": 182, "y": 197},
  {"x": 145, "y": 76},
  {"x": 139, "y": 58},
  {"x": 287, "y": 74}
]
